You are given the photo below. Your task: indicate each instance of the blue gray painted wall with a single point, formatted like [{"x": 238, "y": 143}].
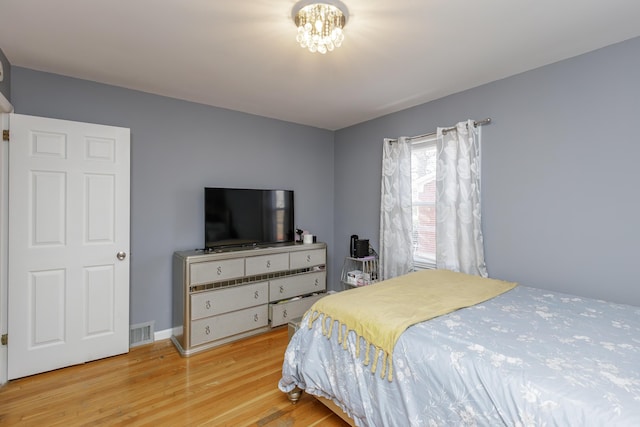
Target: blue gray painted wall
[
  {"x": 559, "y": 174},
  {"x": 178, "y": 148},
  {"x": 559, "y": 171}
]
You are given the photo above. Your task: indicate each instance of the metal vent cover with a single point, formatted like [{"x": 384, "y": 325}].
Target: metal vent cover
[{"x": 142, "y": 333}]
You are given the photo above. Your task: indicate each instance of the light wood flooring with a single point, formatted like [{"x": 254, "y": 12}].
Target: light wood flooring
[{"x": 232, "y": 385}]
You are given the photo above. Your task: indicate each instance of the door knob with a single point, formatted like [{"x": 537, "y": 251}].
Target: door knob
[{"x": 121, "y": 255}]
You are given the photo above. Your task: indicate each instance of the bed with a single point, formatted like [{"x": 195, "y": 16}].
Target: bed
[{"x": 525, "y": 357}]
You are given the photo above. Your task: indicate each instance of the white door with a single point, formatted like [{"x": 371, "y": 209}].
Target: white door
[
  {"x": 68, "y": 289},
  {"x": 4, "y": 179}
]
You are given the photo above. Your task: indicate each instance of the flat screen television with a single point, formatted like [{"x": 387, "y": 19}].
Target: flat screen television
[{"x": 247, "y": 217}]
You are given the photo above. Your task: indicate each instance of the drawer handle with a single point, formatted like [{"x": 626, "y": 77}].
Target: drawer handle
[
  {"x": 284, "y": 314},
  {"x": 207, "y": 330},
  {"x": 268, "y": 264},
  {"x": 256, "y": 295},
  {"x": 281, "y": 289},
  {"x": 308, "y": 258},
  {"x": 255, "y": 317},
  {"x": 207, "y": 305},
  {"x": 219, "y": 270},
  {"x": 317, "y": 282}
]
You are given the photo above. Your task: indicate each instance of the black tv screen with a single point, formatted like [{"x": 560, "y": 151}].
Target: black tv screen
[{"x": 247, "y": 217}]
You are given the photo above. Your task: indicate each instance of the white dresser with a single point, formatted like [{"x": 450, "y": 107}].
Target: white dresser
[{"x": 219, "y": 297}]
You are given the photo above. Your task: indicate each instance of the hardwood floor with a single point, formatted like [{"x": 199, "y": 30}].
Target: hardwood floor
[{"x": 232, "y": 385}]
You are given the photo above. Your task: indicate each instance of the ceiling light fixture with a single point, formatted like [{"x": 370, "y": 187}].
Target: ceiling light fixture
[{"x": 320, "y": 24}]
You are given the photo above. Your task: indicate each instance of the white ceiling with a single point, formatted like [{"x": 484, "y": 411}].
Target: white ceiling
[{"x": 242, "y": 55}]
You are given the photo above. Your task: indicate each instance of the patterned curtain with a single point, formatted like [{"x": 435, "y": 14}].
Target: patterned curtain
[
  {"x": 396, "y": 248},
  {"x": 459, "y": 243}
]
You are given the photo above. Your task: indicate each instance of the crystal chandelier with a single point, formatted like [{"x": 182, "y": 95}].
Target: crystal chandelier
[{"x": 320, "y": 25}]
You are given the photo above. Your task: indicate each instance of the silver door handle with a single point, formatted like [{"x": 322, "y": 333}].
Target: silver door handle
[{"x": 121, "y": 255}]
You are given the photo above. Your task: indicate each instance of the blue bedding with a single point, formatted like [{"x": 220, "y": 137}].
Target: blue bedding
[{"x": 528, "y": 357}]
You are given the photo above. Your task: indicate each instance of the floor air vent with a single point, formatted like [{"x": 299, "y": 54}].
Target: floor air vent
[{"x": 139, "y": 334}]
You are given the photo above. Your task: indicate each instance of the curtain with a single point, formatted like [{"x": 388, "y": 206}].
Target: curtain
[
  {"x": 459, "y": 243},
  {"x": 396, "y": 248}
]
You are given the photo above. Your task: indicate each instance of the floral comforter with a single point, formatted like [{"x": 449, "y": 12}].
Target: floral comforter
[{"x": 528, "y": 357}]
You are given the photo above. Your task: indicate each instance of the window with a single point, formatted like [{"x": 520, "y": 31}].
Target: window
[{"x": 423, "y": 198}]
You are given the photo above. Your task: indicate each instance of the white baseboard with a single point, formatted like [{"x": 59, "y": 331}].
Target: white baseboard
[{"x": 162, "y": 335}]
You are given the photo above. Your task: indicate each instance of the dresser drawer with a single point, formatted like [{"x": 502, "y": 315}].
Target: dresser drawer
[
  {"x": 282, "y": 313},
  {"x": 220, "y": 301},
  {"x": 293, "y": 286},
  {"x": 224, "y": 325},
  {"x": 214, "y": 271},
  {"x": 264, "y": 264},
  {"x": 304, "y": 259}
]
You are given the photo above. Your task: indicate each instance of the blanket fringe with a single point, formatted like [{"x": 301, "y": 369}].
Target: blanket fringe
[
  {"x": 366, "y": 355},
  {"x": 343, "y": 333},
  {"x": 374, "y": 365}
]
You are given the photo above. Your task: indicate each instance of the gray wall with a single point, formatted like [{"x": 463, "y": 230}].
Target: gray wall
[
  {"x": 178, "y": 148},
  {"x": 5, "y": 84},
  {"x": 560, "y": 172}
]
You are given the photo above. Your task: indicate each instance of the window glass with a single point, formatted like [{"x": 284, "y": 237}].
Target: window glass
[{"x": 423, "y": 196}]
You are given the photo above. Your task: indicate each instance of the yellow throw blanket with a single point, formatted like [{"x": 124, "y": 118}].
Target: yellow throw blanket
[{"x": 379, "y": 313}]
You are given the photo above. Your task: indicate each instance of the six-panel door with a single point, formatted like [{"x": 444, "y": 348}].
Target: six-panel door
[{"x": 68, "y": 243}]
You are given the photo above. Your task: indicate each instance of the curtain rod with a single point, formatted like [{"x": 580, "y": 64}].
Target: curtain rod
[{"x": 476, "y": 123}]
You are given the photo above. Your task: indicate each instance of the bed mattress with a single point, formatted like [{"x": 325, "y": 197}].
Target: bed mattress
[{"x": 528, "y": 357}]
